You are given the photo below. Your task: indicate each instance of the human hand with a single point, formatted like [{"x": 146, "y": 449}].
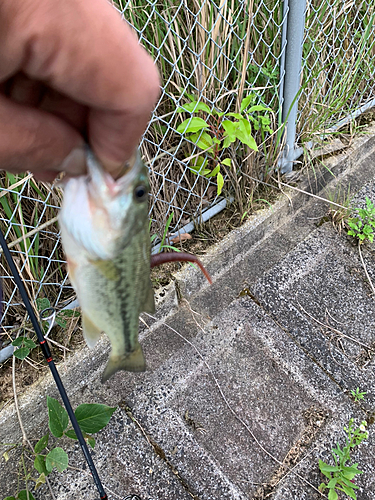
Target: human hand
[{"x": 70, "y": 72}]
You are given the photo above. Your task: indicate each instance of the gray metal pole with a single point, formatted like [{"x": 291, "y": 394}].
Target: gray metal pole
[{"x": 293, "y": 62}]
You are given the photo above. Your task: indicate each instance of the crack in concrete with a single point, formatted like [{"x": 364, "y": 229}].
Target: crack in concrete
[
  {"x": 158, "y": 450},
  {"x": 314, "y": 420}
]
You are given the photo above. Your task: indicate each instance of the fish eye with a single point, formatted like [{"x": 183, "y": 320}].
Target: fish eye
[{"x": 140, "y": 193}]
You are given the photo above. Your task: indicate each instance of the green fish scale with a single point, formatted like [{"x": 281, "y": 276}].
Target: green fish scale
[{"x": 114, "y": 305}]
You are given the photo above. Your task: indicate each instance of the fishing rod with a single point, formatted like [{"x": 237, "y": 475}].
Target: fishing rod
[{"x": 47, "y": 354}]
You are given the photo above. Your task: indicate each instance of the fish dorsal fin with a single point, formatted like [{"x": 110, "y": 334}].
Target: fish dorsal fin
[
  {"x": 90, "y": 332},
  {"x": 107, "y": 269},
  {"x": 149, "y": 303},
  {"x": 131, "y": 362}
]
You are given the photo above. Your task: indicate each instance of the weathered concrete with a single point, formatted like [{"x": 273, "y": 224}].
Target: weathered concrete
[{"x": 248, "y": 380}]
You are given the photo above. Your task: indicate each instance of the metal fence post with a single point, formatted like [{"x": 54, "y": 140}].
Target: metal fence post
[{"x": 293, "y": 63}]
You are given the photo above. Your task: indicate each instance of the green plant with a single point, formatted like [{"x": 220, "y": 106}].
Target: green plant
[
  {"x": 340, "y": 475},
  {"x": 216, "y": 131},
  {"x": 363, "y": 226},
  {"x": 61, "y": 317},
  {"x": 24, "y": 345},
  {"x": 91, "y": 419},
  {"x": 357, "y": 395}
]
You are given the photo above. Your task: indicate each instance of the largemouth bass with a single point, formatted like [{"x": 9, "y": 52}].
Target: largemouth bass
[{"x": 105, "y": 235}]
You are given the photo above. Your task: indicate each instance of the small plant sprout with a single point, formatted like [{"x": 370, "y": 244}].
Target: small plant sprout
[
  {"x": 363, "y": 226},
  {"x": 216, "y": 131},
  {"x": 341, "y": 476},
  {"x": 357, "y": 395}
]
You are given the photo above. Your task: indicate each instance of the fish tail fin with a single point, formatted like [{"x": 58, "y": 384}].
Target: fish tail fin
[{"x": 132, "y": 362}]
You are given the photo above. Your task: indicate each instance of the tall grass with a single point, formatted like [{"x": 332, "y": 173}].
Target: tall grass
[
  {"x": 27, "y": 205},
  {"x": 339, "y": 47}
]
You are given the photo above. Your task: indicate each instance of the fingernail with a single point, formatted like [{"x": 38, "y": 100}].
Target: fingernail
[{"x": 75, "y": 162}]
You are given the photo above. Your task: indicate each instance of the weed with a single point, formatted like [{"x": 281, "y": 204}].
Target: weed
[
  {"x": 215, "y": 133},
  {"x": 340, "y": 476},
  {"x": 357, "y": 395},
  {"x": 363, "y": 226},
  {"x": 91, "y": 419}
]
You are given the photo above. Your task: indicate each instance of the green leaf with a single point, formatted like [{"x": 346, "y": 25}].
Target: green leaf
[
  {"x": 202, "y": 140},
  {"x": 57, "y": 458},
  {"x": 235, "y": 115},
  {"x": 41, "y": 444},
  {"x": 29, "y": 343},
  {"x": 258, "y": 107},
  {"x": 347, "y": 482},
  {"x": 214, "y": 172},
  {"x": 349, "y": 491},
  {"x": 227, "y": 162},
  {"x": 18, "y": 341},
  {"x": 327, "y": 468},
  {"x": 40, "y": 464},
  {"x": 245, "y": 102},
  {"x": 218, "y": 113},
  {"x": 24, "y": 495},
  {"x": 220, "y": 183},
  {"x": 200, "y": 164},
  {"x": 93, "y": 417},
  {"x": 40, "y": 481},
  {"x": 21, "y": 352},
  {"x": 42, "y": 304},
  {"x": 91, "y": 442},
  {"x": 230, "y": 128},
  {"x": 227, "y": 141},
  {"x": 71, "y": 434},
  {"x": 243, "y": 134},
  {"x": 9, "y": 498},
  {"x": 61, "y": 322},
  {"x": 193, "y": 107},
  {"x": 332, "y": 495},
  {"x": 58, "y": 417},
  {"x": 332, "y": 483},
  {"x": 192, "y": 125}
]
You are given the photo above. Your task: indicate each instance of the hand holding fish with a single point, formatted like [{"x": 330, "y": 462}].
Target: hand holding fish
[{"x": 70, "y": 72}]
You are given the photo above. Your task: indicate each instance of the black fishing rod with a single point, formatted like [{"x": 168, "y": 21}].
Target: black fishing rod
[{"x": 47, "y": 354}]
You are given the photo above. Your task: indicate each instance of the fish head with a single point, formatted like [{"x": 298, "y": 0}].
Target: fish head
[{"x": 99, "y": 214}]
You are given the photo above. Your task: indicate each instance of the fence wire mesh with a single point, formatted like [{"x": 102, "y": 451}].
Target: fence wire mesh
[
  {"x": 338, "y": 63},
  {"x": 219, "y": 51}
]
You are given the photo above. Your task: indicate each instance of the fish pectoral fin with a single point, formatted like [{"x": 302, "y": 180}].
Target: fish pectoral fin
[
  {"x": 107, "y": 269},
  {"x": 149, "y": 304},
  {"x": 131, "y": 362},
  {"x": 91, "y": 332}
]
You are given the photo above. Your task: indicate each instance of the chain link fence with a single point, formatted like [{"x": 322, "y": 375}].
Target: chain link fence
[{"x": 217, "y": 52}]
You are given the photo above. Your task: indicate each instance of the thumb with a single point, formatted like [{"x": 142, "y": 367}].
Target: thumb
[{"x": 32, "y": 139}]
